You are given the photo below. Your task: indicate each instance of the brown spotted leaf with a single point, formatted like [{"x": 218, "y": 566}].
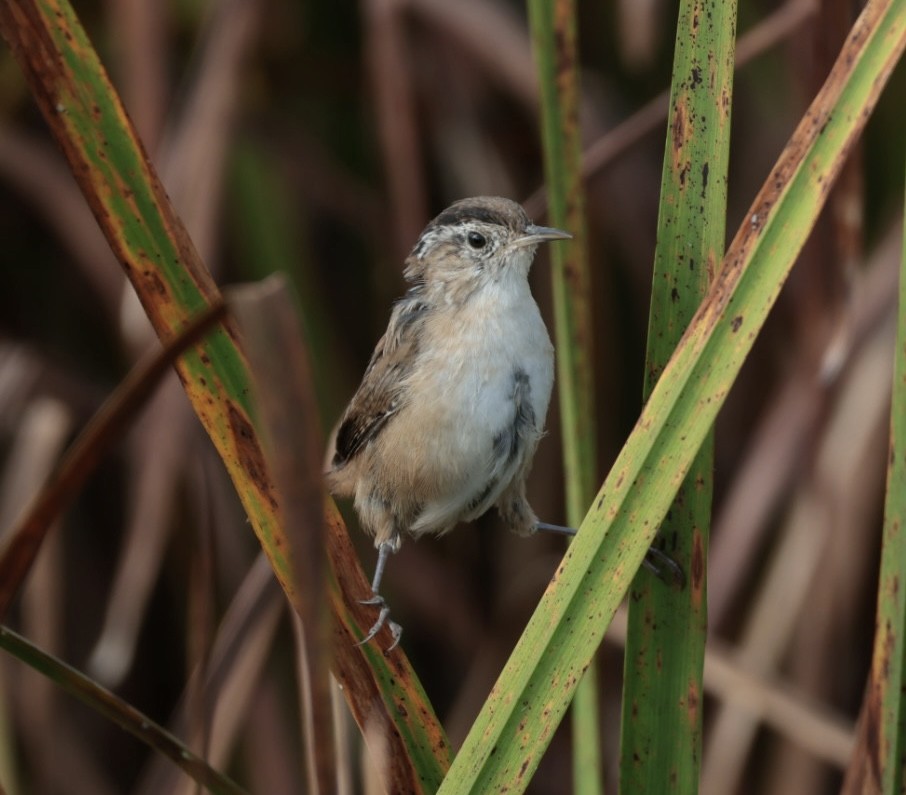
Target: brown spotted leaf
[{"x": 119, "y": 183}]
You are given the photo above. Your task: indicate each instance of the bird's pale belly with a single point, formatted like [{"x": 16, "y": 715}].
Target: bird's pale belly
[{"x": 465, "y": 432}]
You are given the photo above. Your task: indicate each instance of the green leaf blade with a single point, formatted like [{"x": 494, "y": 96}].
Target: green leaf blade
[
  {"x": 661, "y": 744},
  {"x": 885, "y": 702}
]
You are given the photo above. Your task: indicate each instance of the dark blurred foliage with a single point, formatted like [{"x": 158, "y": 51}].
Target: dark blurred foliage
[{"x": 338, "y": 130}]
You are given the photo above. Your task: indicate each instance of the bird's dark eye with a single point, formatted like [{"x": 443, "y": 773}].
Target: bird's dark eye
[{"x": 477, "y": 240}]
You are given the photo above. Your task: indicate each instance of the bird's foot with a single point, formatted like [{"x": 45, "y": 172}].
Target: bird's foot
[
  {"x": 383, "y": 618},
  {"x": 665, "y": 568},
  {"x": 658, "y": 562}
]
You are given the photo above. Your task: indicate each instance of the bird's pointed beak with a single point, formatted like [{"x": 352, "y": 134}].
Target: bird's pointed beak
[{"x": 538, "y": 234}]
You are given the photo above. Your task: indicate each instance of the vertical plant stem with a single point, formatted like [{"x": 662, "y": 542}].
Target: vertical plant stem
[
  {"x": 662, "y": 699},
  {"x": 886, "y": 705},
  {"x": 553, "y": 26},
  {"x": 289, "y": 428}
]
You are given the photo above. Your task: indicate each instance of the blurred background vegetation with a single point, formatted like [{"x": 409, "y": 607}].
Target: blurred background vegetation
[{"x": 318, "y": 139}]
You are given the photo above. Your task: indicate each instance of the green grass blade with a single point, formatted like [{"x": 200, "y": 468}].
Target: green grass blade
[
  {"x": 661, "y": 743},
  {"x": 886, "y": 695},
  {"x": 553, "y": 27},
  {"x": 518, "y": 720},
  {"x": 554, "y": 36},
  {"x": 121, "y": 186},
  {"x": 111, "y": 706}
]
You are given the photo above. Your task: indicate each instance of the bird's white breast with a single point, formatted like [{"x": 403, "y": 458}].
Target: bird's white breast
[{"x": 477, "y": 350}]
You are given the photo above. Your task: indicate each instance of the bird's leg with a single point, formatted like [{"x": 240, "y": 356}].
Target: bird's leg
[
  {"x": 384, "y": 551},
  {"x": 557, "y": 529},
  {"x": 656, "y": 560}
]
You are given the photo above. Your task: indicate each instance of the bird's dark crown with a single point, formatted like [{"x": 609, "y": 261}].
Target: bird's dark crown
[{"x": 488, "y": 209}]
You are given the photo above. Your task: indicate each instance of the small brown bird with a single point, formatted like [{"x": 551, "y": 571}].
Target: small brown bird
[{"x": 452, "y": 405}]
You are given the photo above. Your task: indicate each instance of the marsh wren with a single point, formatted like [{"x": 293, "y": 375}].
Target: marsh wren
[{"x": 452, "y": 405}]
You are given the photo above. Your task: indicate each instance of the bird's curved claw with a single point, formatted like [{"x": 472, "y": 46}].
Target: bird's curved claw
[
  {"x": 665, "y": 568},
  {"x": 656, "y": 560},
  {"x": 383, "y": 618},
  {"x": 376, "y": 599}
]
